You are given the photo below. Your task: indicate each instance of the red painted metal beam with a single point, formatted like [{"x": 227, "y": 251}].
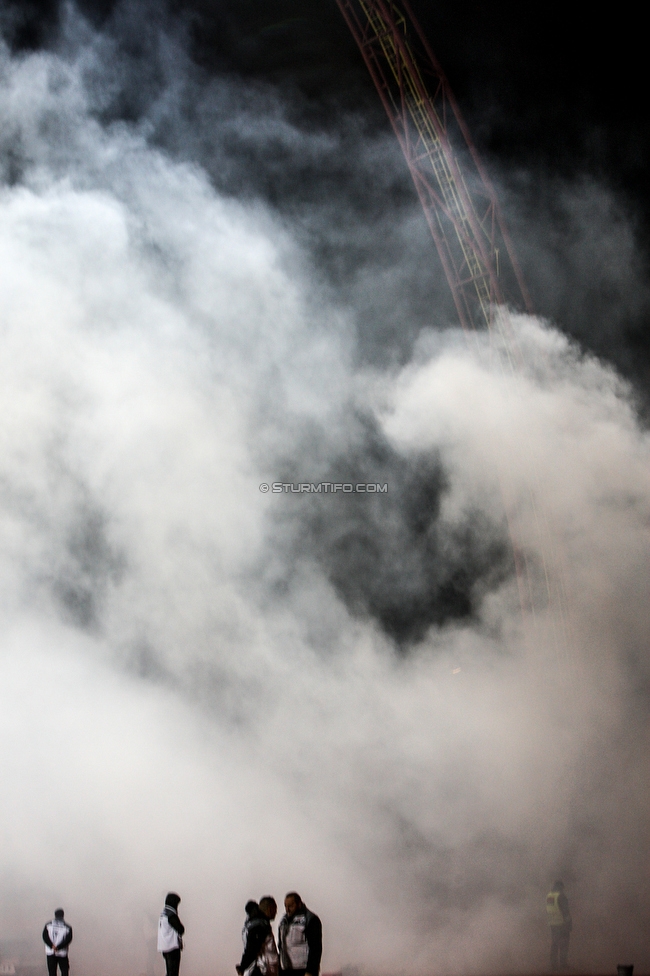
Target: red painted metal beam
[{"x": 459, "y": 202}]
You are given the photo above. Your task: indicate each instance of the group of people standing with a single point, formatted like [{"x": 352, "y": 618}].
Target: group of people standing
[
  {"x": 300, "y": 938},
  {"x": 57, "y": 936},
  {"x": 298, "y": 953}
]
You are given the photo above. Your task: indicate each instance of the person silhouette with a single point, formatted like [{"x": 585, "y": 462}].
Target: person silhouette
[
  {"x": 170, "y": 934},
  {"x": 559, "y": 920},
  {"x": 57, "y": 936}
]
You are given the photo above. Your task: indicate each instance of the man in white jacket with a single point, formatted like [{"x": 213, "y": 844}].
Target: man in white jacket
[
  {"x": 300, "y": 938},
  {"x": 57, "y": 936},
  {"x": 170, "y": 934}
]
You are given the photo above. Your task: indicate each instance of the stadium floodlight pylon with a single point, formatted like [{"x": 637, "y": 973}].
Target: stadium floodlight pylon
[
  {"x": 465, "y": 220},
  {"x": 458, "y": 199}
]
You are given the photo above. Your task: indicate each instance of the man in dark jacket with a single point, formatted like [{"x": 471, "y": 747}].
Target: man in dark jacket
[
  {"x": 170, "y": 934},
  {"x": 300, "y": 938},
  {"x": 260, "y": 956},
  {"x": 57, "y": 936}
]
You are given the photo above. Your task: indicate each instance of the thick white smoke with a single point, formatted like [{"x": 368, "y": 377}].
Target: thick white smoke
[{"x": 187, "y": 702}]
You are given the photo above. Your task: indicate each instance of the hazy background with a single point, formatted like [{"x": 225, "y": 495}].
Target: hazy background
[{"x": 214, "y": 273}]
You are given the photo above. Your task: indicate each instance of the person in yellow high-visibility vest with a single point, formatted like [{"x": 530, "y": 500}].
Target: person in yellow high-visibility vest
[{"x": 559, "y": 920}]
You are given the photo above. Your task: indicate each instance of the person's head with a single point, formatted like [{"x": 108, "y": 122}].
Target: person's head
[
  {"x": 251, "y": 908},
  {"x": 558, "y": 886},
  {"x": 173, "y": 900},
  {"x": 292, "y": 902},
  {"x": 269, "y": 907},
  {"x": 59, "y": 914}
]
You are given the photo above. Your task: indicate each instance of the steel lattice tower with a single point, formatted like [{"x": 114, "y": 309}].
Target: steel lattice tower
[
  {"x": 463, "y": 214},
  {"x": 459, "y": 202}
]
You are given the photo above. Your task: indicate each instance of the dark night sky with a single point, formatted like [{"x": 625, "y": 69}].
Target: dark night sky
[
  {"x": 547, "y": 86},
  {"x": 554, "y": 100}
]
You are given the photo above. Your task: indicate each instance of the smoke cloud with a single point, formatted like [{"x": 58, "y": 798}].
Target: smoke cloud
[{"x": 224, "y": 692}]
